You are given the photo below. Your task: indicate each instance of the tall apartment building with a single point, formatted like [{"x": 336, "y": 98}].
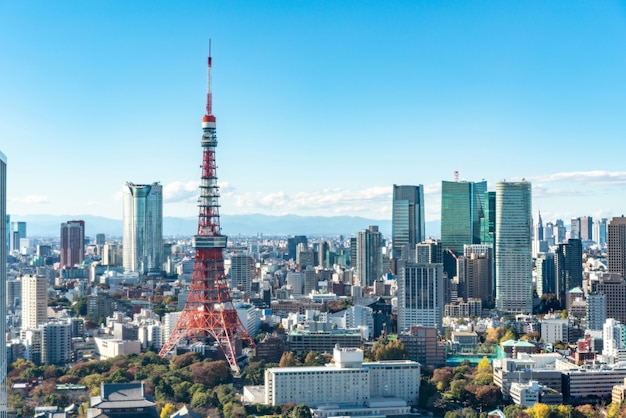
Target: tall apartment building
[
  {"x": 72, "y": 245},
  {"x": 617, "y": 245},
  {"x": 461, "y": 213},
  {"x": 292, "y": 245},
  {"x": 420, "y": 295},
  {"x": 241, "y": 272},
  {"x": 3, "y": 281},
  {"x": 34, "y": 301},
  {"x": 56, "y": 340},
  {"x": 475, "y": 273},
  {"x": 143, "y": 227},
  {"x": 513, "y": 247},
  {"x": 369, "y": 256},
  {"x": 407, "y": 219}
]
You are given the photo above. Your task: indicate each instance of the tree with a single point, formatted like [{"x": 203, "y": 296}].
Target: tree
[
  {"x": 511, "y": 411},
  {"x": 457, "y": 389},
  {"x": 313, "y": 359},
  {"x": 210, "y": 373},
  {"x": 484, "y": 366},
  {"x": 300, "y": 411},
  {"x": 389, "y": 350},
  {"x": 287, "y": 360},
  {"x": 201, "y": 399},
  {"x": 184, "y": 360},
  {"x": 539, "y": 410},
  {"x": 167, "y": 410},
  {"x": 441, "y": 379}
]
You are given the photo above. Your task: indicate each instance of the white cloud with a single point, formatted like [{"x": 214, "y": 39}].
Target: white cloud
[
  {"x": 597, "y": 177},
  {"x": 31, "y": 200}
]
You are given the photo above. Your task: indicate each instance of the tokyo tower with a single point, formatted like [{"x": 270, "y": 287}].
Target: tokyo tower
[{"x": 209, "y": 310}]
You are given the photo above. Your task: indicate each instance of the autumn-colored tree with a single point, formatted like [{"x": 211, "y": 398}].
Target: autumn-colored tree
[
  {"x": 539, "y": 410},
  {"x": 210, "y": 373},
  {"x": 492, "y": 336},
  {"x": 389, "y": 350},
  {"x": 287, "y": 360},
  {"x": 184, "y": 360},
  {"x": 314, "y": 359},
  {"x": 441, "y": 379},
  {"x": 167, "y": 410}
]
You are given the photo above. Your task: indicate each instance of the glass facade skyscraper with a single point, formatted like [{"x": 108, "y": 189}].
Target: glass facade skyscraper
[
  {"x": 143, "y": 227},
  {"x": 461, "y": 211},
  {"x": 407, "y": 221},
  {"x": 514, "y": 247}
]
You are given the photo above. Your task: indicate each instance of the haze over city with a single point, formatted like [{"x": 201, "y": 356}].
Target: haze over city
[{"x": 321, "y": 106}]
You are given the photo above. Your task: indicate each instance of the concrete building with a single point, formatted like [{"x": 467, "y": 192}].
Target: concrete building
[
  {"x": 596, "y": 310},
  {"x": 527, "y": 367},
  {"x": 555, "y": 329},
  {"x": 143, "y": 228},
  {"x": 34, "y": 301},
  {"x": 475, "y": 273},
  {"x": 589, "y": 382},
  {"x": 108, "y": 348},
  {"x": 422, "y": 345},
  {"x": 241, "y": 272},
  {"x": 420, "y": 295},
  {"x": 72, "y": 247},
  {"x": 348, "y": 382},
  {"x": 614, "y": 288},
  {"x": 513, "y": 247},
  {"x": 617, "y": 245},
  {"x": 303, "y": 341},
  {"x": 56, "y": 342},
  {"x": 568, "y": 260},
  {"x": 369, "y": 256}
]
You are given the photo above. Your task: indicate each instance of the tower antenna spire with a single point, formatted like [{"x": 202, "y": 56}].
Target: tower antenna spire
[{"x": 209, "y": 94}]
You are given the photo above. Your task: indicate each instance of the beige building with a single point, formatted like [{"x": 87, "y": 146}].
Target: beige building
[{"x": 34, "y": 301}]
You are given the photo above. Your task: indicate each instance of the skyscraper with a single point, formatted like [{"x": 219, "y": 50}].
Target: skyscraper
[
  {"x": 241, "y": 272},
  {"x": 569, "y": 267},
  {"x": 546, "y": 274},
  {"x": 3, "y": 284},
  {"x": 488, "y": 221},
  {"x": 18, "y": 231},
  {"x": 407, "y": 219},
  {"x": 617, "y": 245},
  {"x": 513, "y": 247},
  {"x": 461, "y": 212},
  {"x": 72, "y": 243},
  {"x": 586, "y": 228},
  {"x": 420, "y": 295},
  {"x": 599, "y": 231},
  {"x": 574, "y": 231},
  {"x": 369, "y": 256},
  {"x": 143, "y": 227}
]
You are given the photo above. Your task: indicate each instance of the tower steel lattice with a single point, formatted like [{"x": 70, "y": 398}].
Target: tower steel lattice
[{"x": 209, "y": 310}]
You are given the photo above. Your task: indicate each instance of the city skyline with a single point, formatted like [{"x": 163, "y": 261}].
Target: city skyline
[{"x": 97, "y": 94}]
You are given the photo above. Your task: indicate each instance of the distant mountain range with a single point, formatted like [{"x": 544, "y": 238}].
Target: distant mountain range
[{"x": 268, "y": 225}]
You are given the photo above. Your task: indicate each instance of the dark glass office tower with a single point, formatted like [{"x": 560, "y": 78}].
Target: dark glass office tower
[{"x": 461, "y": 211}]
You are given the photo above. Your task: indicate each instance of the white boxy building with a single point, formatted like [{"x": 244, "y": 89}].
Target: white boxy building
[{"x": 347, "y": 384}]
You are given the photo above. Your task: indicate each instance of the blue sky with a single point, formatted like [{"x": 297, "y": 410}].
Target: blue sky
[{"x": 321, "y": 105}]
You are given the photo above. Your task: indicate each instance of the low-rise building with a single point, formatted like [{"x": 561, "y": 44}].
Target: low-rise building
[{"x": 349, "y": 382}]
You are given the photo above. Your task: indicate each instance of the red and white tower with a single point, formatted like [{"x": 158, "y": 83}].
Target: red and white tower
[{"x": 209, "y": 310}]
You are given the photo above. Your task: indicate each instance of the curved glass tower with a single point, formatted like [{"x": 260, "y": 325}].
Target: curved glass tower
[{"x": 143, "y": 227}]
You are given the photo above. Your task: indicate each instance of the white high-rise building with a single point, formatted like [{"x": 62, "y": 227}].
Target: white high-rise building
[
  {"x": 420, "y": 295},
  {"x": 3, "y": 284},
  {"x": 143, "y": 227},
  {"x": 34, "y": 301},
  {"x": 241, "y": 272},
  {"x": 513, "y": 247}
]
